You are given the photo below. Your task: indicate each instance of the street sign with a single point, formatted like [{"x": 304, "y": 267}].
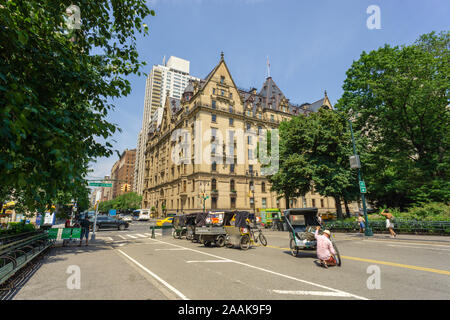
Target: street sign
[
  {"x": 362, "y": 187},
  {"x": 98, "y": 184}
]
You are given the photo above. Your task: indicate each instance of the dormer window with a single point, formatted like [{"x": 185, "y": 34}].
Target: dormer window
[
  {"x": 222, "y": 92},
  {"x": 222, "y": 79}
]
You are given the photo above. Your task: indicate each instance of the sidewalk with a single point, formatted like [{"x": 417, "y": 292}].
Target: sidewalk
[{"x": 104, "y": 274}]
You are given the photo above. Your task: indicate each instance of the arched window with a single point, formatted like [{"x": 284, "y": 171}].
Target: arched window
[{"x": 213, "y": 184}]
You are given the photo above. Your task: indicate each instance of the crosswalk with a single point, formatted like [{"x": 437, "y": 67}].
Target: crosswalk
[{"x": 128, "y": 237}]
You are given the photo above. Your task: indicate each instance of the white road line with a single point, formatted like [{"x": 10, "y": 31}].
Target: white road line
[
  {"x": 110, "y": 239},
  {"x": 208, "y": 261},
  {"x": 123, "y": 237},
  {"x": 266, "y": 270},
  {"x": 129, "y": 235},
  {"x": 140, "y": 235},
  {"x": 178, "y": 293},
  {"x": 314, "y": 293},
  {"x": 148, "y": 234},
  {"x": 177, "y": 249},
  {"x": 405, "y": 246}
]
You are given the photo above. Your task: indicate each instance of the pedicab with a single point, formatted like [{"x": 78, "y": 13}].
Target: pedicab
[
  {"x": 179, "y": 226},
  {"x": 190, "y": 225},
  {"x": 302, "y": 225},
  {"x": 213, "y": 230},
  {"x": 238, "y": 232},
  {"x": 200, "y": 221}
]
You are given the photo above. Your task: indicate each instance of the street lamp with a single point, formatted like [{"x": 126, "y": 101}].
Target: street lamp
[
  {"x": 355, "y": 163},
  {"x": 252, "y": 188}
]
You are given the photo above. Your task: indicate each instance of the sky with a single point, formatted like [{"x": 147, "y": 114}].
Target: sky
[{"x": 310, "y": 45}]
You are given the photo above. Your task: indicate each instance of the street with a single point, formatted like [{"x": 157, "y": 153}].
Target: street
[{"x": 410, "y": 267}]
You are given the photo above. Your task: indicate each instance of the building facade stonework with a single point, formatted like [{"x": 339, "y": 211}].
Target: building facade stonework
[
  {"x": 201, "y": 121},
  {"x": 122, "y": 173}
]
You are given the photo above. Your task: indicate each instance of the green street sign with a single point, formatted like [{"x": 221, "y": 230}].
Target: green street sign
[
  {"x": 362, "y": 187},
  {"x": 98, "y": 184}
]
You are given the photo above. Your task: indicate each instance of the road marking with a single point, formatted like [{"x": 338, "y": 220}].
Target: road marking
[
  {"x": 392, "y": 264},
  {"x": 176, "y": 249},
  {"x": 129, "y": 235},
  {"x": 148, "y": 234},
  {"x": 140, "y": 235},
  {"x": 123, "y": 237},
  {"x": 265, "y": 270},
  {"x": 314, "y": 293},
  {"x": 405, "y": 242},
  {"x": 406, "y": 246},
  {"x": 110, "y": 239},
  {"x": 178, "y": 293},
  {"x": 208, "y": 261}
]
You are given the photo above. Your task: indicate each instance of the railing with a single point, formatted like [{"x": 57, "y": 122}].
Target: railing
[
  {"x": 17, "y": 251},
  {"x": 402, "y": 226}
]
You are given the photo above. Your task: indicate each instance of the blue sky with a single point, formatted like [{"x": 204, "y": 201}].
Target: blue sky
[{"x": 310, "y": 45}]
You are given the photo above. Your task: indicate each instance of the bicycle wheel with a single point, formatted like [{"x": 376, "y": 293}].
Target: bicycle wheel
[
  {"x": 337, "y": 256},
  {"x": 245, "y": 242},
  {"x": 293, "y": 247},
  {"x": 262, "y": 239}
]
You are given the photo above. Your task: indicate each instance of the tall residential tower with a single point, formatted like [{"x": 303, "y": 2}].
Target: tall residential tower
[{"x": 169, "y": 79}]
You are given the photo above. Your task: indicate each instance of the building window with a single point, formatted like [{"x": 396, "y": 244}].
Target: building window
[
  {"x": 248, "y": 126},
  {"x": 321, "y": 203},
  {"x": 233, "y": 202},
  {"x": 264, "y": 202},
  {"x": 214, "y": 167},
  {"x": 222, "y": 79},
  {"x": 213, "y": 117},
  {"x": 213, "y": 105},
  {"x": 213, "y": 203},
  {"x": 272, "y": 118},
  {"x": 250, "y": 168},
  {"x": 250, "y": 154},
  {"x": 222, "y": 92},
  {"x": 232, "y": 168},
  {"x": 213, "y": 184},
  {"x": 263, "y": 187},
  {"x": 231, "y": 95},
  {"x": 313, "y": 202},
  {"x": 232, "y": 185},
  {"x": 230, "y": 109},
  {"x": 231, "y": 121},
  {"x": 214, "y": 91}
]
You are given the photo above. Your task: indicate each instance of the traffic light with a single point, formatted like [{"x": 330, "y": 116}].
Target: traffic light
[{"x": 125, "y": 187}]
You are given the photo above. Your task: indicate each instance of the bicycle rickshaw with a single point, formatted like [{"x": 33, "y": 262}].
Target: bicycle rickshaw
[
  {"x": 200, "y": 221},
  {"x": 190, "y": 225},
  {"x": 240, "y": 233},
  {"x": 302, "y": 225},
  {"x": 179, "y": 226},
  {"x": 213, "y": 229}
]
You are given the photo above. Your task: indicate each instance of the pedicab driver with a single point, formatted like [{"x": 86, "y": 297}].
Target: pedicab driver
[{"x": 325, "y": 250}]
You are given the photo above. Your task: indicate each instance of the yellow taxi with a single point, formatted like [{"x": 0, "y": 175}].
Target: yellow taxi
[{"x": 161, "y": 222}]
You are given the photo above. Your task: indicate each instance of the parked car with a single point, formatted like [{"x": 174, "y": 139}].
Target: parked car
[
  {"x": 161, "y": 222},
  {"x": 127, "y": 218},
  {"x": 105, "y": 222}
]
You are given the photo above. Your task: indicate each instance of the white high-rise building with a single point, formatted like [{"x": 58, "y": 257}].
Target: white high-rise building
[{"x": 170, "y": 78}]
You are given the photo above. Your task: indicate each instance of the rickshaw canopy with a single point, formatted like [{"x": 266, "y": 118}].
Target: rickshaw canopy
[{"x": 302, "y": 216}]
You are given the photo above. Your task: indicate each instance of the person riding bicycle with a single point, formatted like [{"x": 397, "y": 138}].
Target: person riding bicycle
[{"x": 325, "y": 249}]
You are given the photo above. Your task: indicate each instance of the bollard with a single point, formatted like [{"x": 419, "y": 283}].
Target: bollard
[{"x": 153, "y": 232}]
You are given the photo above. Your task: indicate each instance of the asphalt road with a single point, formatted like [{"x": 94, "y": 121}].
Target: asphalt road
[{"x": 408, "y": 267}]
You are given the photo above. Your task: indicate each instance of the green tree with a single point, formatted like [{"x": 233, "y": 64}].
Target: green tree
[
  {"x": 56, "y": 85},
  {"x": 398, "y": 98}
]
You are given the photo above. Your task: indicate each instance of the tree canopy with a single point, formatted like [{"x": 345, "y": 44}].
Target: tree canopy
[
  {"x": 56, "y": 84},
  {"x": 127, "y": 201},
  {"x": 398, "y": 99}
]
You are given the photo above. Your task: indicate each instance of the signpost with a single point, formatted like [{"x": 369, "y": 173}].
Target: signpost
[{"x": 100, "y": 184}]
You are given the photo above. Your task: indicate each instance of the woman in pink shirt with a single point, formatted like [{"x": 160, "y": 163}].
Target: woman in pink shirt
[{"x": 325, "y": 250}]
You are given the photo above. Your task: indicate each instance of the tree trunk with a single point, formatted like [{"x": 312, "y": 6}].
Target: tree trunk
[
  {"x": 347, "y": 209},
  {"x": 337, "y": 201},
  {"x": 287, "y": 201}
]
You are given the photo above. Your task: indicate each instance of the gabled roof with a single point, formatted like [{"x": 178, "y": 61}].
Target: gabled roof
[{"x": 271, "y": 93}]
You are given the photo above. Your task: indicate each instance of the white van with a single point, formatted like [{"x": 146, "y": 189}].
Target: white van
[{"x": 141, "y": 214}]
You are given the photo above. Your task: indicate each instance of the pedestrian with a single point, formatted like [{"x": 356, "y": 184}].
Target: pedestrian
[
  {"x": 325, "y": 249},
  {"x": 319, "y": 218},
  {"x": 361, "y": 222},
  {"x": 85, "y": 224},
  {"x": 389, "y": 222}
]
